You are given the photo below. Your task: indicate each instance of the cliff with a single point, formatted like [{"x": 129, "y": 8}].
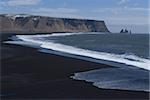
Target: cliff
[{"x": 41, "y": 24}]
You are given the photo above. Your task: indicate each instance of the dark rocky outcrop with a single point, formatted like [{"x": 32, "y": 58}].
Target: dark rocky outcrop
[{"x": 41, "y": 24}]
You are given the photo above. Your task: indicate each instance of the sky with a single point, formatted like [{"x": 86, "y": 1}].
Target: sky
[{"x": 117, "y": 14}]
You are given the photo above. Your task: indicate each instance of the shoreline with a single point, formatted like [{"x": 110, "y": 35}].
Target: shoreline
[{"x": 28, "y": 73}]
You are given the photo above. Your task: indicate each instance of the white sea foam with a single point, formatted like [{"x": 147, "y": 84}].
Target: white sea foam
[
  {"x": 131, "y": 60},
  {"x": 116, "y": 78},
  {"x": 141, "y": 63},
  {"x": 124, "y": 77}
]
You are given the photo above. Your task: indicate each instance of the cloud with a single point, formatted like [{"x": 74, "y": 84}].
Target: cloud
[
  {"x": 128, "y": 20},
  {"x": 114, "y": 11},
  {"x": 57, "y": 12},
  {"x": 123, "y": 2},
  {"x": 138, "y": 9},
  {"x": 19, "y": 2},
  {"x": 122, "y": 10},
  {"x": 124, "y": 15}
]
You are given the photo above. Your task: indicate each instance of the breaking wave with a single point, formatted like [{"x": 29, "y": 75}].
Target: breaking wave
[
  {"x": 132, "y": 72},
  {"x": 40, "y": 42}
]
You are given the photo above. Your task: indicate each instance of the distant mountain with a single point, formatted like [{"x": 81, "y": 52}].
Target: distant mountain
[{"x": 22, "y": 23}]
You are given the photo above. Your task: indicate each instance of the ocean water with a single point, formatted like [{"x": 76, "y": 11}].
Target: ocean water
[{"x": 128, "y": 53}]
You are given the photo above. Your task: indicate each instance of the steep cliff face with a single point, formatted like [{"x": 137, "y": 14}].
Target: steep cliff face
[{"x": 41, "y": 24}]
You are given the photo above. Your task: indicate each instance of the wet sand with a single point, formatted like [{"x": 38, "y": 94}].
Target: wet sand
[{"x": 29, "y": 74}]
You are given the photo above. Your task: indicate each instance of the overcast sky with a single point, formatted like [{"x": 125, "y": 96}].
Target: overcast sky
[{"x": 131, "y": 14}]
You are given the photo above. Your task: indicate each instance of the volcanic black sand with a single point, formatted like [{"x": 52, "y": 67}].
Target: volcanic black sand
[{"x": 29, "y": 74}]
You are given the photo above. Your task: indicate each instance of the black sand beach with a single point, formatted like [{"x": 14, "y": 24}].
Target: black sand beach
[{"x": 29, "y": 74}]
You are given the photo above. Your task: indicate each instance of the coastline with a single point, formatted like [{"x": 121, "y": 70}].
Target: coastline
[{"x": 27, "y": 73}]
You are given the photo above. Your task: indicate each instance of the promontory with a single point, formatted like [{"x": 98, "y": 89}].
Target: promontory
[{"x": 23, "y": 23}]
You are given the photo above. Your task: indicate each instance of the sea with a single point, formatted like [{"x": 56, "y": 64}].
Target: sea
[{"x": 127, "y": 53}]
